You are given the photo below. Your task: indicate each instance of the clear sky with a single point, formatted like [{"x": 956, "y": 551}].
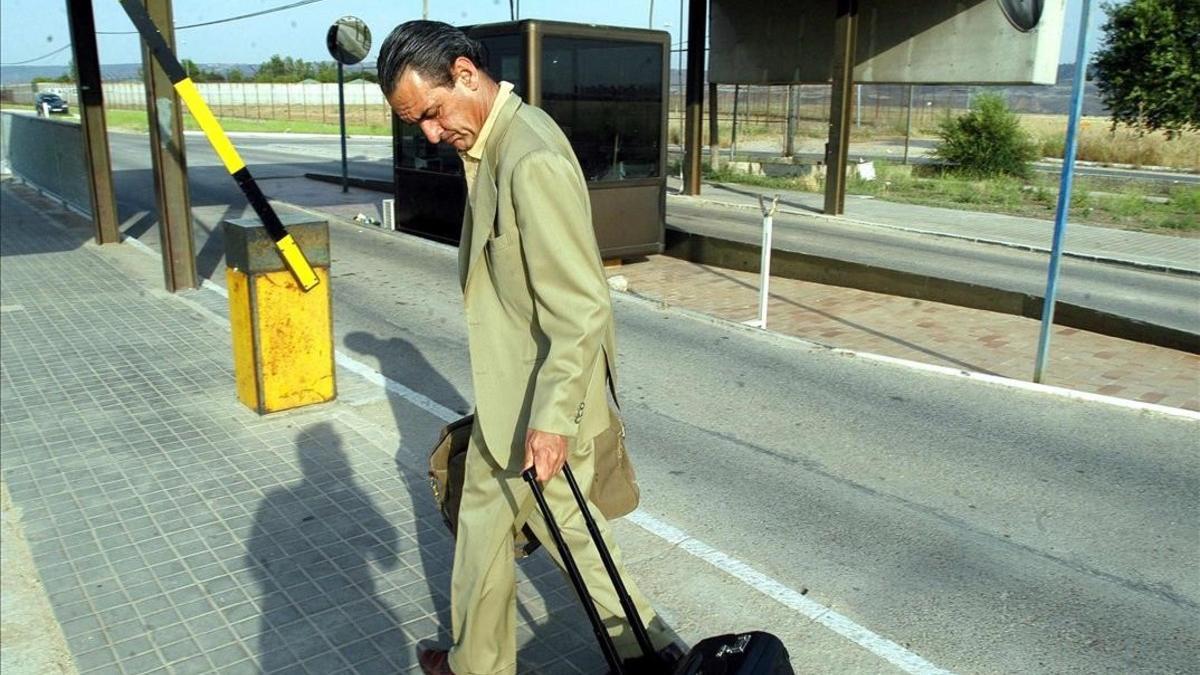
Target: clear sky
[{"x": 31, "y": 28}]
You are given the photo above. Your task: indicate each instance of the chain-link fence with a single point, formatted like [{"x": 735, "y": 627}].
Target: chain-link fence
[{"x": 880, "y": 111}]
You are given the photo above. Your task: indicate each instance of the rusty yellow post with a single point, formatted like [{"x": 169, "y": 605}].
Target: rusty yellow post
[{"x": 282, "y": 335}]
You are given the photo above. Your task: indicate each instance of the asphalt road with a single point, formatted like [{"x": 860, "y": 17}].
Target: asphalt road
[{"x": 987, "y": 529}]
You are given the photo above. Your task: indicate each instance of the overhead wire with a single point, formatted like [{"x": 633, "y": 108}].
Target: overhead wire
[
  {"x": 271, "y": 10},
  {"x": 228, "y": 19},
  {"x": 39, "y": 58}
]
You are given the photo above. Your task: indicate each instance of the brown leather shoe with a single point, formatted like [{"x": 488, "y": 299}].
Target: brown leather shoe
[{"x": 434, "y": 661}]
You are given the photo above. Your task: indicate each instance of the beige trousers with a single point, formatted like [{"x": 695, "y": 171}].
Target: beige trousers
[{"x": 496, "y": 502}]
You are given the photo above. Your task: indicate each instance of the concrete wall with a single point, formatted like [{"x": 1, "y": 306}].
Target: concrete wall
[{"x": 47, "y": 153}]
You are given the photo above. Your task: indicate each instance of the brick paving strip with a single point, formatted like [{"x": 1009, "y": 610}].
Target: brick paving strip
[
  {"x": 927, "y": 332},
  {"x": 175, "y": 530}
]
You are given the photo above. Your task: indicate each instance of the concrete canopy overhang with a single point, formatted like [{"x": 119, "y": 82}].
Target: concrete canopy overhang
[{"x": 898, "y": 41}]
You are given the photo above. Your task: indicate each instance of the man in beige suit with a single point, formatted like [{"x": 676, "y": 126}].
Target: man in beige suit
[{"x": 540, "y": 328}]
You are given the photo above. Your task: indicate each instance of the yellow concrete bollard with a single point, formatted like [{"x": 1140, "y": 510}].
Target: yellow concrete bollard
[{"x": 282, "y": 335}]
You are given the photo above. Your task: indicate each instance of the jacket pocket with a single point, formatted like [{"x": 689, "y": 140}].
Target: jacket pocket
[
  {"x": 501, "y": 242},
  {"x": 506, "y": 267}
]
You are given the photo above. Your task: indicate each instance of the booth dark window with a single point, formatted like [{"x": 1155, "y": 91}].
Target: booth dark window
[
  {"x": 607, "y": 97},
  {"x": 505, "y": 59}
]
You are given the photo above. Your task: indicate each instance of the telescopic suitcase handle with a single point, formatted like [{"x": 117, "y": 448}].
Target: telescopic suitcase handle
[{"x": 631, "y": 613}]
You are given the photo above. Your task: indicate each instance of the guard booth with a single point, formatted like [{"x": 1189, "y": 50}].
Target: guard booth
[{"x": 606, "y": 87}]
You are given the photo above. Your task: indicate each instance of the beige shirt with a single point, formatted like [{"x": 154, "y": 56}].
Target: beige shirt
[{"x": 472, "y": 157}]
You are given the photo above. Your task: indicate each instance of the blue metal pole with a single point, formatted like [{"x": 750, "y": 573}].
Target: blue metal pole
[{"x": 1064, "y": 194}]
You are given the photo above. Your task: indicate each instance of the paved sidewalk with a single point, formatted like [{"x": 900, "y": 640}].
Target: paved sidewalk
[
  {"x": 177, "y": 531},
  {"x": 1155, "y": 251}
]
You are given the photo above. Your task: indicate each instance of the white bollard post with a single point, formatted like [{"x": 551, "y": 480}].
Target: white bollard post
[{"x": 764, "y": 285}]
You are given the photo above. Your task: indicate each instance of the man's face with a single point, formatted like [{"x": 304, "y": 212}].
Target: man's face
[{"x": 444, "y": 114}]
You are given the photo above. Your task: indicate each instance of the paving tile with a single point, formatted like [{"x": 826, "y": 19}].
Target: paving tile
[
  {"x": 95, "y": 660},
  {"x": 180, "y": 650},
  {"x": 192, "y": 666}
]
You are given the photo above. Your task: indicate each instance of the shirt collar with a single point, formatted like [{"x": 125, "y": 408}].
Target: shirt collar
[{"x": 476, "y": 151}]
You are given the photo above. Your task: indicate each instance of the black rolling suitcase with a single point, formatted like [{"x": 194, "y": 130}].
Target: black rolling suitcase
[{"x": 752, "y": 653}]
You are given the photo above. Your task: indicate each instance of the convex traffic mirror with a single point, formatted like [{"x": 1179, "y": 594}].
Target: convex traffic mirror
[
  {"x": 348, "y": 40},
  {"x": 1024, "y": 15}
]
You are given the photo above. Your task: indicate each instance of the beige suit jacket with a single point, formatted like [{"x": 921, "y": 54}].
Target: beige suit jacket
[{"x": 539, "y": 315}]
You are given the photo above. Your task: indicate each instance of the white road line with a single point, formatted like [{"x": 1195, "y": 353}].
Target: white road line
[
  {"x": 1029, "y": 386},
  {"x": 872, "y": 642},
  {"x": 788, "y": 597}
]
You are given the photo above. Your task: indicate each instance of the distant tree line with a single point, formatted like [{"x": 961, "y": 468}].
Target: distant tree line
[{"x": 287, "y": 69}]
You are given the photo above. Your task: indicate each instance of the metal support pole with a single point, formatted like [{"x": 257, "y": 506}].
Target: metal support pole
[
  {"x": 737, "y": 91},
  {"x": 91, "y": 114},
  {"x": 679, "y": 59},
  {"x": 714, "y": 131},
  {"x": 1064, "y": 195},
  {"x": 857, "y": 106},
  {"x": 845, "y": 29},
  {"x": 169, "y": 159},
  {"x": 697, "y": 22},
  {"x": 792, "y": 105},
  {"x": 908, "y": 123},
  {"x": 342, "y": 123}
]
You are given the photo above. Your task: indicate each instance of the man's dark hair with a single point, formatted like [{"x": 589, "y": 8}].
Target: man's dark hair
[{"x": 430, "y": 48}]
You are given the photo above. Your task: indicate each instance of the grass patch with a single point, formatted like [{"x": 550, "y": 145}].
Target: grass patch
[
  {"x": 135, "y": 120},
  {"x": 1094, "y": 201},
  {"x": 1100, "y": 142}
]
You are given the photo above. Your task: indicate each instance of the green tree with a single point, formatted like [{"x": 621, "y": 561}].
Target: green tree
[
  {"x": 192, "y": 70},
  {"x": 235, "y": 75},
  {"x": 71, "y": 74},
  {"x": 326, "y": 72},
  {"x": 1148, "y": 67},
  {"x": 986, "y": 141},
  {"x": 271, "y": 70}
]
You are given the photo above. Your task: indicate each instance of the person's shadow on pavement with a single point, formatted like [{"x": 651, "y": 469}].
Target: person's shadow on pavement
[
  {"x": 399, "y": 361},
  {"x": 310, "y": 549},
  {"x": 402, "y": 362}
]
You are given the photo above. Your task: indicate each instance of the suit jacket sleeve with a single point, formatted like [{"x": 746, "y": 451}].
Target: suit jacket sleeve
[{"x": 571, "y": 299}]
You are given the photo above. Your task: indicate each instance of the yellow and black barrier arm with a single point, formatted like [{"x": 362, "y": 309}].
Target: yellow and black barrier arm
[{"x": 292, "y": 256}]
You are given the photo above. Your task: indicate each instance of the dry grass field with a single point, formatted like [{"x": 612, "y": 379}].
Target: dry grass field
[{"x": 1099, "y": 142}]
